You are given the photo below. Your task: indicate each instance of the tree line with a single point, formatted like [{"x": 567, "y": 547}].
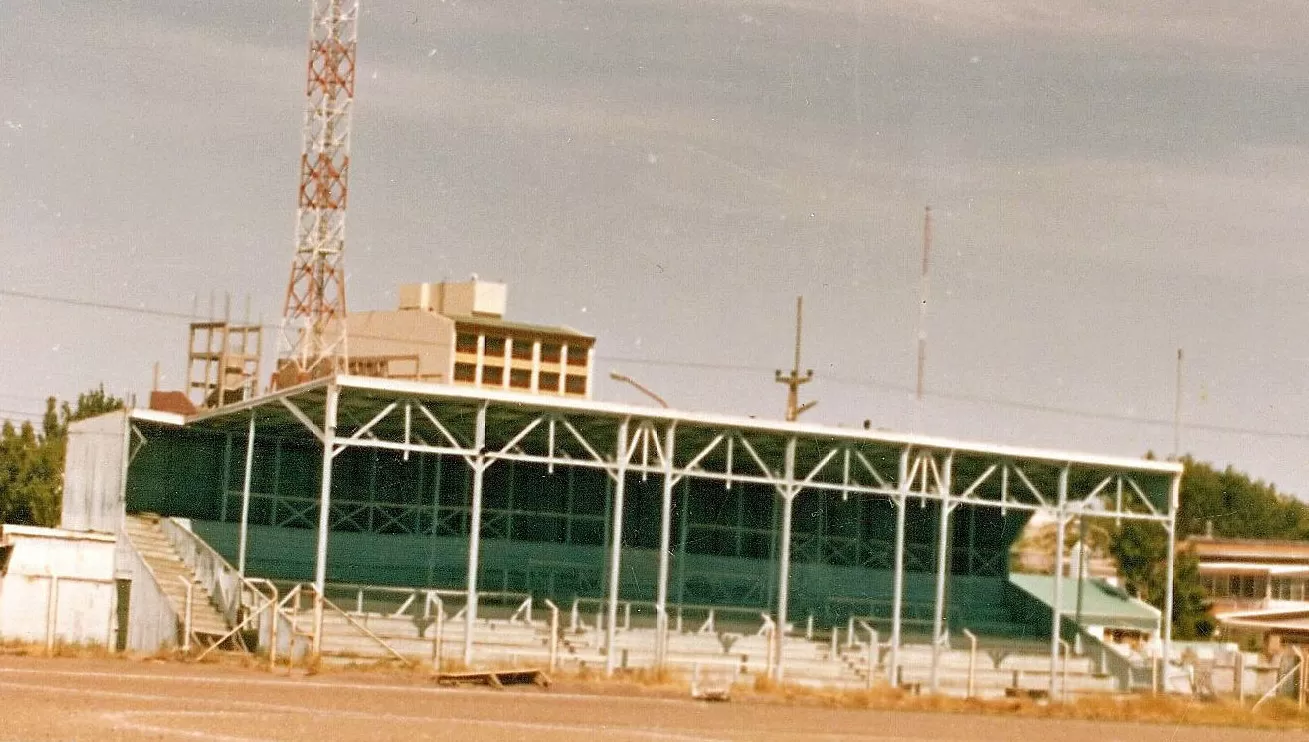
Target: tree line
[
  {"x": 32, "y": 459},
  {"x": 1225, "y": 502}
]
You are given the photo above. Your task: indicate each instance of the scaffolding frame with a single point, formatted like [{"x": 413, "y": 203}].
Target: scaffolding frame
[{"x": 483, "y": 427}]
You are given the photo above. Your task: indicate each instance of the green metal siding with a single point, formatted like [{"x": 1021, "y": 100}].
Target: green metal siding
[{"x": 405, "y": 522}]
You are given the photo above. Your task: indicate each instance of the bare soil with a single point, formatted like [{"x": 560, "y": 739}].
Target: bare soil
[{"x": 111, "y": 699}]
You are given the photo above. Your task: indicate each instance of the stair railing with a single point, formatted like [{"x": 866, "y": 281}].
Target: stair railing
[
  {"x": 236, "y": 595},
  {"x": 270, "y": 605},
  {"x": 327, "y": 604},
  {"x": 554, "y": 633},
  {"x": 187, "y": 612}
]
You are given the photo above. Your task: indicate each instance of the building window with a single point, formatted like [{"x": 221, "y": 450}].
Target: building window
[
  {"x": 520, "y": 378},
  {"x": 493, "y": 375},
  {"x": 577, "y": 357},
  {"x": 550, "y": 352},
  {"x": 522, "y": 349},
  {"x": 466, "y": 372},
  {"x": 549, "y": 381},
  {"x": 465, "y": 343},
  {"x": 495, "y": 347},
  {"x": 575, "y": 385}
]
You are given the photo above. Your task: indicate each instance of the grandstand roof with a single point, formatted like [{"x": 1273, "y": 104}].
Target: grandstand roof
[{"x": 442, "y": 417}]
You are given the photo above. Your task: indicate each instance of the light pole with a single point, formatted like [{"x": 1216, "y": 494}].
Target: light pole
[{"x": 639, "y": 387}]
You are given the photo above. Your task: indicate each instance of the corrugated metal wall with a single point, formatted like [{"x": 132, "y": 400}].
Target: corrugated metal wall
[{"x": 93, "y": 473}]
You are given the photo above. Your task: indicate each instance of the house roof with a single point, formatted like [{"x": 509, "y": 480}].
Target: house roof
[{"x": 1261, "y": 568}]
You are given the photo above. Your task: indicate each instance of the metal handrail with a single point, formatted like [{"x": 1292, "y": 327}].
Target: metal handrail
[
  {"x": 1067, "y": 652},
  {"x": 873, "y": 646},
  {"x": 268, "y": 603},
  {"x": 364, "y": 629},
  {"x": 554, "y": 633},
  {"x": 1295, "y": 671},
  {"x": 438, "y": 632},
  {"x": 186, "y": 615},
  {"x": 972, "y": 661}
]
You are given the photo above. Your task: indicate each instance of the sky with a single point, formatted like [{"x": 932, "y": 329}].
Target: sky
[{"x": 1110, "y": 181}]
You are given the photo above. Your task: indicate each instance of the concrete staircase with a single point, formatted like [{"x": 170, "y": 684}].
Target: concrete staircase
[{"x": 207, "y": 624}]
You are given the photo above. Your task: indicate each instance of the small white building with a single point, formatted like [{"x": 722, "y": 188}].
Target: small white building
[{"x": 57, "y": 586}]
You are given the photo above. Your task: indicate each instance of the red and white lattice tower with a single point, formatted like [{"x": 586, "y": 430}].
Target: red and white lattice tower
[{"x": 313, "y": 319}]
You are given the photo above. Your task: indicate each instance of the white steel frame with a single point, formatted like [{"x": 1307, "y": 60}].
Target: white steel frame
[{"x": 483, "y": 427}]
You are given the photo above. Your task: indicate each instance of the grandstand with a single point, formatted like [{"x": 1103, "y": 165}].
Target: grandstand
[{"x": 522, "y": 527}]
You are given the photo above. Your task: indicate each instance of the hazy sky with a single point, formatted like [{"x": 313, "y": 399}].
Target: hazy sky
[{"x": 1111, "y": 180}]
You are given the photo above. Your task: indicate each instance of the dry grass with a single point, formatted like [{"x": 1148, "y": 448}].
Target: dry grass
[
  {"x": 77, "y": 650},
  {"x": 1276, "y": 714}
]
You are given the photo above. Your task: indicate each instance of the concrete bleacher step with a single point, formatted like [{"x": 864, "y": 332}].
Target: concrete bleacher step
[{"x": 150, "y": 541}]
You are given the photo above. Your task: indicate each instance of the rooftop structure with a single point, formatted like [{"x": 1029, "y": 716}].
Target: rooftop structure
[{"x": 456, "y": 333}]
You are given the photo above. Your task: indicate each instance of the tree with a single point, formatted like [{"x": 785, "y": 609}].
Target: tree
[
  {"x": 32, "y": 463},
  {"x": 1225, "y": 502}
]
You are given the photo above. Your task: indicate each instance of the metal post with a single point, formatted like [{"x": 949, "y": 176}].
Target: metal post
[
  {"x": 784, "y": 561},
  {"x": 187, "y": 617},
  {"x": 972, "y": 661},
  {"x": 616, "y": 546},
  {"x": 1056, "y": 610},
  {"x": 554, "y": 633},
  {"x": 324, "y": 513},
  {"x": 1174, "y": 498},
  {"x": 942, "y": 569},
  {"x": 479, "y": 464},
  {"x": 245, "y": 496},
  {"x": 897, "y": 570},
  {"x": 665, "y": 543}
]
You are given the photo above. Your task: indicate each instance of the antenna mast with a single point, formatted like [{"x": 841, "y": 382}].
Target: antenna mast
[
  {"x": 793, "y": 382},
  {"x": 313, "y": 318},
  {"x": 922, "y": 304}
]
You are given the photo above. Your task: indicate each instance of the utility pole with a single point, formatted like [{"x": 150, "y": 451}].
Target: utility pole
[{"x": 793, "y": 381}]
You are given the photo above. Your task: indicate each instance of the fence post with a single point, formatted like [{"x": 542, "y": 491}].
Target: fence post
[{"x": 51, "y": 615}]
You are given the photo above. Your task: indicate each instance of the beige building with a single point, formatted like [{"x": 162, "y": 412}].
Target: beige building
[
  {"x": 1255, "y": 587},
  {"x": 456, "y": 333}
]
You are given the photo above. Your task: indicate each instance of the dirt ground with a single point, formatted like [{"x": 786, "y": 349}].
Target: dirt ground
[{"x": 107, "y": 700}]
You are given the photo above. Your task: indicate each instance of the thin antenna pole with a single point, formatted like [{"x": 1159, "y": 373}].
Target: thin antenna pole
[
  {"x": 794, "y": 380},
  {"x": 922, "y": 303},
  {"x": 1177, "y": 410}
]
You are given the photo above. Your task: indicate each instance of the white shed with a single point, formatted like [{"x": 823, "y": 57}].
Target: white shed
[{"x": 56, "y": 586}]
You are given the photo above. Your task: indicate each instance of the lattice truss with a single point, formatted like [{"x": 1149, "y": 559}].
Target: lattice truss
[
  {"x": 905, "y": 472},
  {"x": 315, "y": 308}
]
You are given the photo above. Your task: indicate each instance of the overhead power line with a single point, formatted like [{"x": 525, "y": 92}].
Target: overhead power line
[{"x": 870, "y": 383}]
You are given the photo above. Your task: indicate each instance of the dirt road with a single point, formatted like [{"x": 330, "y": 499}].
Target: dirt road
[{"x": 106, "y": 700}]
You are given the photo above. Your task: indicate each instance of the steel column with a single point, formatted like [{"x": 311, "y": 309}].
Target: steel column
[
  {"x": 1166, "y": 644},
  {"x": 324, "y": 513},
  {"x": 942, "y": 570},
  {"x": 245, "y": 496},
  {"x": 897, "y": 571},
  {"x": 616, "y": 546},
  {"x": 479, "y": 463},
  {"x": 789, "y": 492},
  {"x": 665, "y": 543},
  {"x": 1056, "y": 612}
]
